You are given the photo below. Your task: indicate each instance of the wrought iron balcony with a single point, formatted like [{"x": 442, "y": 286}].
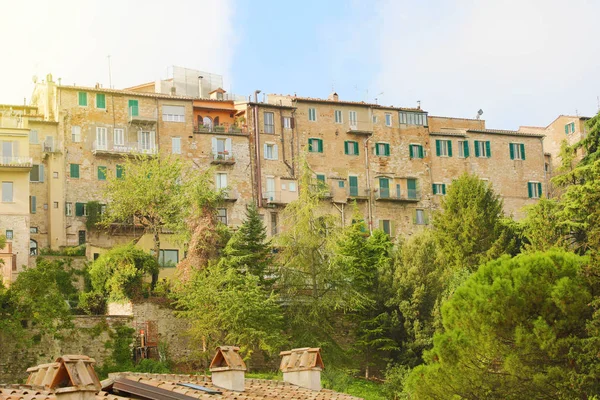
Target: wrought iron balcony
[
  {"x": 222, "y": 157},
  {"x": 124, "y": 149},
  {"x": 16, "y": 162}
]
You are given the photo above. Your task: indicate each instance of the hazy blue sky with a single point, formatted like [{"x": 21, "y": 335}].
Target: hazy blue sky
[{"x": 522, "y": 61}]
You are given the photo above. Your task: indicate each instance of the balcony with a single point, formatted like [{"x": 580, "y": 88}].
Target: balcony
[
  {"x": 16, "y": 163},
  {"x": 384, "y": 194},
  {"x": 49, "y": 146},
  {"x": 231, "y": 195},
  {"x": 360, "y": 129},
  {"x": 132, "y": 148},
  {"x": 136, "y": 116},
  {"x": 280, "y": 198},
  {"x": 222, "y": 157},
  {"x": 354, "y": 193},
  {"x": 221, "y": 129}
]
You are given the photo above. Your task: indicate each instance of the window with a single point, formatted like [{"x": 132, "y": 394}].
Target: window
[
  {"x": 386, "y": 226},
  {"x": 76, "y": 134},
  {"x": 101, "y": 138},
  {"x": 7, "y": 192},
  {"x": 570, "y": 128},
  {"x": 384, "y": 188},
  {"x": 9, "y": 234},
  {"x": 273, "y": 223},
  {"x": 69, "y": 209},
  {"x": 33, "y": 229},
  {"x": 33, "y": 137},
  {"x": 374, "y": 119},
  {"x": 382, "y": 149},
  {"x": 419, "y": 217},
  {"x": 320, "y": 179},
  {"x": 221, "y": 180},
  {"x": 517, "y": 151},
  {"x": 100, "y": 100},
  {"x": 37, "y": 173},
  {"x": 315, "y": 145},
  {"x": 292, "y": 186},
  {"x": 269, "y": 122},
  {"x": 443, "y": 148},
  {"x": 146, "y": 139},
  {"x": 341, "y": 184},
  {"x": 482, "y": 149},
  {"x": 353, "y": 119},
  {"x": 119, "y": 137},
  {"x": 133, "y": 108},
  {"x": 81, "y": 210},
  {"x": 388, "y": 119},
  {"x": 32, "y": 204},
  {"x": 338, "y": 117},
  {"x": 351, "y": 148},
  {"x": 353, "y": 184},
  {"x": 173, "y": 113},
  {"x": 416, "y": 151},
  {"x": 534, "y": 189},
  {"x": 411, "y": 186},
  {"x": 102, "y": 173},
  {"x": 120, "y": 172},
  {"x": 222, "y": 215},
  {"x": 33, "y": 247},
  {"x": 270, "y": 151},
  {"x": 55, "y": 175},
  {"x": 176, "y": 145},
  {"x": 55, "y": 204},
  {"x": 412, "y": 118},
  {"x": 287, "y": 122},
  {"x": 439, "y": 188},
  {"x": 463, "y": 148},
  {"x": 81, "y": 237},
  {"x": 312, "y": 114},
  {"x": 82, "y": 97}
]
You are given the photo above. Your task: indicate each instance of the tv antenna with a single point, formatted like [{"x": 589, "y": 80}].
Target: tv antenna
[
  {"x": 109, "y": 74},
  {"x": 479, "y": 114}
]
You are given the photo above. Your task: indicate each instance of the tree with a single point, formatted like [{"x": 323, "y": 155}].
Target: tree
[
  {"x": 518, "y": 328},
  {"x": 248, "y": 250},
  {"x": 225, "y": 306},
  {"x": 163, "y": 194},
  {"x": 469, "y": 223},
  {"x": 117, "y": 274},
  {"x": 542, "y": 227}
]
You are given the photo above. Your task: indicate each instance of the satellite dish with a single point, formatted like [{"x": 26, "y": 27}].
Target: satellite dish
[{"x": 480, "y": 112}]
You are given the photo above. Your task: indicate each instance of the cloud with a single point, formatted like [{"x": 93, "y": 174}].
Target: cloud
[
  {"x": 522, "y": 61},
  {"x": 71, "y": 39}
]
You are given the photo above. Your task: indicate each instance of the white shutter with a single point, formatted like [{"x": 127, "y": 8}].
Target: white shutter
[
  {"x": 16, "y": 149},
  {"x": 265, "y": 152},
  {"x": 152, "y": 140},
  {"x": 1, "y": 147},
  {"x": 214, "y": 145},
  {"x": 228, "y": 145},
  {"x": 41, "y": 171},
  {"x": 275, "y": 153}
]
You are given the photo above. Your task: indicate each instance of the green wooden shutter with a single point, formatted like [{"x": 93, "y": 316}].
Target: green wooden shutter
[
  {"x": 522, "y": 151},
  {"x": 476, "y": 142},
  {"x": 488, "y": 149},
  {"x": 74, "y": 170},
  {"x": 449, "y": 148},
  {"x": 421, "y": 152},
  {"x": 321, "y": 178},
  {"x": 355, "y": 148},
  {"x": 100, "y": 100},
  {"x": 310, "y": 146},
  {"x": 539, "y": 185},
  {"x": 410, "y": 151},
  {"x": 572, "y": 127},
  {"x": 320, "y": 145},
  {"x": 102, "y": 173},
  {"x": 133, "y": 108},
  {"x": 346, "y": 147},
  {"x": 567, "y": 129},
  {"x": 353, "y": 183},
  {"x": 33, "y": 204},
  {"x": 387, "y": 149},
  {"x": 437, "y": 148},
  {"x": 530, "y": 189},
  {"x": 511, "y": 147},
  {"x": 466, "y": 148},
  {"x": 120, "y": 171},
  {"x": 82, "y": 98},
  {"x": 79, "y": 209},
  {"x": 443, "y": 188},
  {"x": 434, "y": 188}
]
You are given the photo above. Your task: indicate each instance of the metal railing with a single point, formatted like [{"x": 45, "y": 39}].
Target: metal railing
[
  {"x": 128, "y": 148},
  {"x": 385, "y": 194},
  {"x": 220, "y": 129},
  {"x": 355, "y": 191},
  {"x": 223, "y": 156},
  {"x": 8, "y": 161},
  {"x": 134, "y": 114}
]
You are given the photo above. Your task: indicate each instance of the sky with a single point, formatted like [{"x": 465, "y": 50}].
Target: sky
[{"x": 523, "y": 62}]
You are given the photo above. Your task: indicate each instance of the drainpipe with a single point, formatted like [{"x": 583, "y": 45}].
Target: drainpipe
[
  {"x": 287, "y": 164},
  {"x": 257, "y": 151},
  {"x": 369, "y": 200},
  {"x": 292, "y": 142}
]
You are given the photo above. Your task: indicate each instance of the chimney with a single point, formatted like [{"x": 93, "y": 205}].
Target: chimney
[
  {"x": 333, "y": 97},
  {"x": 302, "y": 367},
  {"x": 173, "y": 90},
  {"x": 227, "y": 368}
]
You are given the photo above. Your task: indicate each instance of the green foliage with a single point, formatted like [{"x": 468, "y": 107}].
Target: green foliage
[
  {"x": 542, "y": 226},
  {"x": 117, "y": 274},
  {"x": 151, "y": 366},
  {"x": 94, "y": 214},
  {"x": 469, "y": 222},
  {"x": 248, "y": 250},
  {"x": 225, "y": 306},
  {"x": 342, "y": 381},
  {"x": 66, "y": 251},
  {"x": 517, "y": 328},
  {"x": 120, "y": 345},
  {"x": 591, "y": 141}
]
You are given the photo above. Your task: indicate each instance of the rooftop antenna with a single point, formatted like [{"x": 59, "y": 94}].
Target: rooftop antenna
[
  {"x": 479, "y": 114},
  {"x": 377, "y": 98},
  {"x": 109, "y": 74}
]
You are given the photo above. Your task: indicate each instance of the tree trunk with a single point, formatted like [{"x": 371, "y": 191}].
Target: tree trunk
[{"x": 157, "y": 256}]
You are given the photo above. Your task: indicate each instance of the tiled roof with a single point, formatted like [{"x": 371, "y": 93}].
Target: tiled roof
[
  {"x": 504, "y": 132},
  {"x": 126, "y": 92},
  {"x": 346, "y": 102},
  {"x": 254, "y": 388}
]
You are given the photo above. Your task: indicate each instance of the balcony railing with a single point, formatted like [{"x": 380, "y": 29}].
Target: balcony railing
[
  {"x": 277, "y": 197},
  {"x": 231, "y": 195},
  {"x": 128, "y": 148},
  {"x": 359, "y": 128},
  {"x": 16, "y": 162},
  {"x": 357, "y": 193},
  {"x": 222, "y": 157},
  {"x": 50, "y": 146},
  {"x": 137, "y": 115},
  {"x": 384, "y": 194},
  {"x": 224, "y": 129}
]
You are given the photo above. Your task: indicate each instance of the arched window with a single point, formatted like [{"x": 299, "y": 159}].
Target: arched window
[
  {"x": 216, "y": 121},
  {"x": 33, "y": 248},
  {"x": 200, "y": 120},
  {"x": 207, "y": 122}
]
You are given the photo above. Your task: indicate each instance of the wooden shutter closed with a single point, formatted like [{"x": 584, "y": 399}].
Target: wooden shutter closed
[
  {"x": 477, "y": 153},
  {"x": 511, "y": 146},
  {"x": 522, "y": 151},
  {"x": 488, "y": 149}
]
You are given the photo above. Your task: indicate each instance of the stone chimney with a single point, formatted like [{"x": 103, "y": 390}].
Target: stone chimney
[
  {"x": 302, "y": 367},
  {"x": 173, "y": 91},
  {"x": 333, "y": 97},
  {"x": 71, "y": 377},
  {"x": 227, "y": 368}
]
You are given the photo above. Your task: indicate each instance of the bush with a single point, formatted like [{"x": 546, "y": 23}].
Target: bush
[{"x": 150, "y": 366}]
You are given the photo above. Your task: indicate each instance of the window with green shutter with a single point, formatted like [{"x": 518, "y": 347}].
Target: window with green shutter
[
  {"x": 82, "y": 97},
  {"x": 100, "y": 100},
  {"x": 463, "y": 148},
  {"x": 341, "y": 184},
  {"x": 443, "y": 148},
  {"x": 382, "y": 149},
  {"x": 416, "y": 151},
  {"x": 32, "y": 204},
  {"x": 483, "y": 149},
  {"x": 133, "y": 108},
  {"x": 517, "y": 151},
  {"x": 353, "y": 183},
  {"x": 120, "y": 172},
  {"x": 488, "y": 149},
  {"x": 102, "y": 173},
  {"x": 315, "y": 145},
  {"x": 79, "y": 209},
  {"x": 351, "y": 148},
  {"x": 384, "y": 188},
  {"x": 534, "y": 190},
  {"x": 74, "y": 171}
]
